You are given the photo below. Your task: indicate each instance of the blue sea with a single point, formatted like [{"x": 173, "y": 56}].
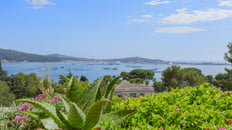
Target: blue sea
[{"x": 95, "y": 70}]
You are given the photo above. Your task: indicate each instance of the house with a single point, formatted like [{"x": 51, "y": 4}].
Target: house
[{"x": 127, "y": 89}]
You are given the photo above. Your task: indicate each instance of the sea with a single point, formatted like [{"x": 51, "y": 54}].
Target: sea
[{"x": 94, "y": 71}]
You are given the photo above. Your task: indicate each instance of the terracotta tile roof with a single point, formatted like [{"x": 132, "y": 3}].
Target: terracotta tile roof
[{"x": 127, "y": 86}]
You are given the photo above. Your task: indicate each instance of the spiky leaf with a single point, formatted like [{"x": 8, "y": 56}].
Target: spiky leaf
[
  {"x": 99, "y": 95},
  {"x": 118, "y": 116},
  {"x": 33, "y": 115},
  {"x": 108, "y": 106},
  {"x": 49, "y": 123},
  {"x": 75, "y": 90},
  {"x": 66, "y": 102},
  {"x": 94, "y": 113},
  {"x": 65, "y": 78},
  {"x": 63, "y": 118},
  {"x": 76, "y": 117},
  {"x": 110, "y": 87},
  {"x": 90, "y": 96}
]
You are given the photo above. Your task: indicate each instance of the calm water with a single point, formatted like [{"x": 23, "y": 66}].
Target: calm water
[{"x": 95, "y": 70}]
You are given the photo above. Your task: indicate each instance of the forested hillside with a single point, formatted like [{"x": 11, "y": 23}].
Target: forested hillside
[{"x": 17, "y": 56}]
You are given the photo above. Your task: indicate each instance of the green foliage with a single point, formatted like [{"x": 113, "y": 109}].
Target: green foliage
[
  {"x": 174, "y": 77},
  {"x": 3, "y": 73},
  {"x": 228, "y": 55},
  {"x": 210, "y": 79},
  {"x": 158, "y": 86},
  {"x": 138, "y": 76},
  {"x": 22, "y": 85},
  {"x": 142, "y": 74},
  {"x": 171, "y": 77},
  {"x": 7, "y": 114},
  {"x": 146, "y": 82},
  {"x": 6, "y": 96},
  {"x": 64, "y": 79},
  {"x": 223, "y": 81},
  {"x": 83, "y": 108},
  {"x": 194, "y": 108},
  {"x": 83, "y": 78},
  {"x": 105, "y": 82},
  {"x": 137, "y": 81},
  {"x": 192, "y": 76}
]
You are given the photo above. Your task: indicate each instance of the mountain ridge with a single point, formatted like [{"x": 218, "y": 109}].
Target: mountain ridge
[{"x": 9, "y": 55}]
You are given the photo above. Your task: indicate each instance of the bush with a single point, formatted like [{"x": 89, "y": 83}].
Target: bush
[
  {"x": 6, "y": 96},
  {"x": 201, "y": 107}
]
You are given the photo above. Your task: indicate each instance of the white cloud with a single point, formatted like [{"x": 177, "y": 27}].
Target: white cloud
[
  {"x": 147, "y": 16},
  {"x": 139, "y": 20},
  {"x": 37, "y": 4},
  {"x": 184, "y": 16},
  {"x": 157, "y": 2},
  {"x": 225, "y": 3},
  {"x": 178, "y": 30}
]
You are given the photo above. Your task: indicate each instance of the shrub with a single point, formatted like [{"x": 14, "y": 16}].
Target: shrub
[{"x": 201, "y": 107}]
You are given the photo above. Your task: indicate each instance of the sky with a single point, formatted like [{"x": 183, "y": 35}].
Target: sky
[{"x": 174, "y": 30}]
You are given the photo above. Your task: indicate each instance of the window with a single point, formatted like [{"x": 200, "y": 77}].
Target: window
[
  {"x": 133, "y": 94},
  {"x": 141, "y": 94}
]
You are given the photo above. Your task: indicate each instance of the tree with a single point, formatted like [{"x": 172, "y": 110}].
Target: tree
[
  {"x": 83, "y": 78},
  {"x": 171, "y": 77},
  {"x": 138, "y": 76},
  {"x": 210, "y": 79},
  {"x": 124, "y": 75},
  {"x": 192, "y": 77},
  {"x": 137, "y": 81},
  {"x": 3, "y": 73},
  {"x": 22, "y": 85},
  {"x": 158, "y": 86},
  {"x": 142, "y": 74},
  {"x": 224, "y": 81},
  {"x": 6, "y": 96},
  {"x": 228, "y": 55}
]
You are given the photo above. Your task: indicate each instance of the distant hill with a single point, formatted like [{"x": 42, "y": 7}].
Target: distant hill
[
  {"x": 137, "y": 60},
  {"x": 7, "y": 55},
  {"x": 69, "y": 58},
  {"x": 17, "y": 56}
]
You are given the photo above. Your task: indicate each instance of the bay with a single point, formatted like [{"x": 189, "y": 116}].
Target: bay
[{"x": 95, "y": 70}]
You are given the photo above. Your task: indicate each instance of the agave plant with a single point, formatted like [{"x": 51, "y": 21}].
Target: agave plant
[{"x": 83, "y": 107}]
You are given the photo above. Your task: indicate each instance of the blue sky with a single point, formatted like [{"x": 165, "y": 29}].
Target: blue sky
[{"x": 180, "y": 30}]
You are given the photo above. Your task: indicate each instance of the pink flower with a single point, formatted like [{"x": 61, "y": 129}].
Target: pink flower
[
  {"x": 161, "y": 129},
  {"x": 221, "y": 128},
  {"x": 228, "y": 121},
  {"x": 63, "y": 95},
  {"x": 25, "y": 106},
  {"x": 18, "y": 118},
  {"x": 52, "y": 100},
  {"x": 185, "y": 92},
  {"x": 57, "y": 98},
  {"x": 212, "y": 96},
  {"x": 40, "y": 96},
  {"x": 177, "y": 110}
]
